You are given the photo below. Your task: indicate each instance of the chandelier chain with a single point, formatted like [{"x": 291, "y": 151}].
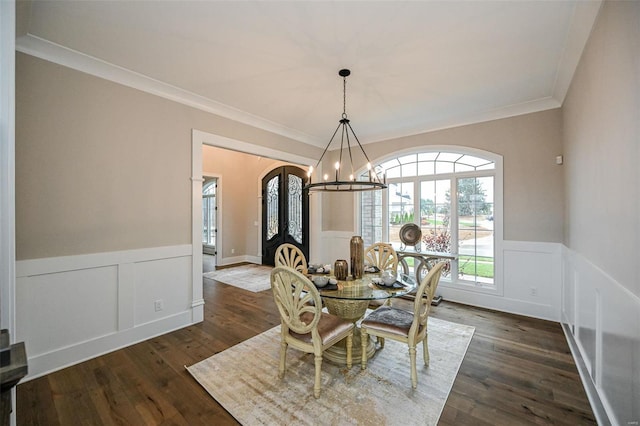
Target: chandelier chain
[{"x": 344, "y": 97}]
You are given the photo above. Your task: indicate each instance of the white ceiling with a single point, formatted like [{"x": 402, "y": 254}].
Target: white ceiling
[{"x": 416, "y": 66}]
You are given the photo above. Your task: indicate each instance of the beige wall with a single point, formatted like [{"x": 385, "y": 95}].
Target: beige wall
[
  {"x": 602, "y": 139},
  {"x": 110, "y": 165},
  {"x": 239, "y": 197},
  {"x": 103, "y": 167},
  {"x": 533, "y": 186}
]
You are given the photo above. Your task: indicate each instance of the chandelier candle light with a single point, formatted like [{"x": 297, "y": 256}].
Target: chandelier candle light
[{"x": 342, "y": 184}]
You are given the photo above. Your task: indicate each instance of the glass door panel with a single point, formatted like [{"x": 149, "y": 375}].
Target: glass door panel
[
  {"x": 295, "y": 208},
  {"x": 435, "y": 217},
  {"x": 475, "y": 229},
  {"x": 401, "y": 206},
  {"x": 273, "y": 204}
]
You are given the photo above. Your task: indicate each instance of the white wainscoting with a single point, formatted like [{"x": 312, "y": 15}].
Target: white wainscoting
[
  {"x": 601, "y": 319},
  {"x": 72, "y": 308},
  {"x": 527, "y": 265},
  {"x": 531, "y": 275}
]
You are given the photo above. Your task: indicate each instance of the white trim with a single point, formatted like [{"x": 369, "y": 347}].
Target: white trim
[
  {"x": 7, "y": 177},
  {"x": 61, "y": 55},
  {"x": 211, "y": 139},
  {"x": 592, "y": 394},
  {"x": 199, "y": 138},
  {"x": 197, "y": 290},
  {"x": 582, "y": 23},
  {"x": 49, "y": 51},
  {"x": 7, "y": 166},
  {"x": 43, "y": 364},
  {"x": 241, "y": 259},
  {"x": 51, "y": 265}
]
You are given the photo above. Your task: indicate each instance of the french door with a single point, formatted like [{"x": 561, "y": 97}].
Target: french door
[{"x": 285, "y": 211}]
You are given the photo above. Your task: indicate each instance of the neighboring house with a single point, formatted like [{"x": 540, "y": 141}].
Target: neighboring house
[{"x": 105, "y": 177}]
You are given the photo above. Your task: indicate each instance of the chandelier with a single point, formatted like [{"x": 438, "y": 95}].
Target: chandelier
[{"x": 342, "y": 182}]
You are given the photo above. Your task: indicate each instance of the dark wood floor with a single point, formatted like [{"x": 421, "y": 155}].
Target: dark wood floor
[{"x": 517, "y": 371}]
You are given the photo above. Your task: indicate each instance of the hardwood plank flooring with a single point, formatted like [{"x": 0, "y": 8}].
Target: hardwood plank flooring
[{"x": 517, "y": 371}]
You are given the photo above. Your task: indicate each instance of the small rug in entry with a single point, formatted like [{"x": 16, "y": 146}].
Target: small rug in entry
[
  {"x": 244, "y": 380},
  {"x": 252, "y": 277}
]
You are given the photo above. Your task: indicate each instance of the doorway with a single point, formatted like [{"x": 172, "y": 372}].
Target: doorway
[
  {"x": 198, "y": 140},
  {"x": 209, "y": 223},
  {"x": 285, "y": 211}
]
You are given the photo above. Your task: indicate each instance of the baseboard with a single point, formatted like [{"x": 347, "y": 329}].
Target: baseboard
[
  {"x": 589, "y": 387},
  {"x": 226, "y": 261}
]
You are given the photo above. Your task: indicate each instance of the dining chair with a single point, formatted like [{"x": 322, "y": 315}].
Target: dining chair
[
  {"x": 404, "y": 326},
  {"x": 384, "y": 257},
  {"x": 289, "y": 255},
  {"x": 303, "y": 325}
]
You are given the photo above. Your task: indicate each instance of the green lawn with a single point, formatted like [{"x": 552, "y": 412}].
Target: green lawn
[
  {"x": 484, "y": 266},
  {"x": 466, "y": 266}
]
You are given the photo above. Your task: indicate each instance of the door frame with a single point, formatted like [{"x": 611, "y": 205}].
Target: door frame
[{"x": 200, "y": 138}]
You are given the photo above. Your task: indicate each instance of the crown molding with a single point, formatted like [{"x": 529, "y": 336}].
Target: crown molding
[
  {"x": 582, "y": 23},
  {"x": 61, "y": 55},
  {"x": 514, "y": 110}
]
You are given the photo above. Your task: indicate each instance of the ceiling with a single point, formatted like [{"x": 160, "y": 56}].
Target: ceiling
[{"x": 416, "y": 66}]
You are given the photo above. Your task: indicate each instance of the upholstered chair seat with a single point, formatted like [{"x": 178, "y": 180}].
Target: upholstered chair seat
[
  {"x": 409, "y": 327},
  {"x": 303, "y": 324}
]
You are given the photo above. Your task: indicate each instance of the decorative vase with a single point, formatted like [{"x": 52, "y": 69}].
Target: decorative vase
[
  {"x": 356, "y": 246},
  {"x": 341, "y": 269}
]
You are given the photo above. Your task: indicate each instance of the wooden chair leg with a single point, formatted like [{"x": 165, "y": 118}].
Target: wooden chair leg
[
  {"x": 349, "y": 350},
  {"x": 425, "y": 350},
  {"x": 414, "y": 372},
  {"x": 283, "y": 359},
  {"x": 364, "y": 338},
  {"x": 316, "y": 385}
]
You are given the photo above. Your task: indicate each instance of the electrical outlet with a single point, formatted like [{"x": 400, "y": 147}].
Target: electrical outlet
[
  {"x": 533, "y": 291},
  {"x": 233, "y": 251},
  {"x": 158, "y": 305}
]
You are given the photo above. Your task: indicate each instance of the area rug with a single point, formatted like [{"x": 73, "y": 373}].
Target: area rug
[
  {"x": 254, "y": 278},
  {"x": 244, "y": 380}
]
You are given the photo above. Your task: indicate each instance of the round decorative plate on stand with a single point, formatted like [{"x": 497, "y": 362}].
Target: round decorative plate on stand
[{"x": 410, "y": 235}]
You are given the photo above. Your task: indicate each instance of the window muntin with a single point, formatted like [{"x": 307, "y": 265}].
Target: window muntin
[{"x": 420, "y": 191}]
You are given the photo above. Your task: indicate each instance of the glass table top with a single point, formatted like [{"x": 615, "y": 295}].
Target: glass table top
[{"x": 364, "y": 289}]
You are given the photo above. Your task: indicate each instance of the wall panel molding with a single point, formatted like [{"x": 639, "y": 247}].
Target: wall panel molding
[
  {"x": 601, "y": 318},
  {"x": 73, "y": 308}
]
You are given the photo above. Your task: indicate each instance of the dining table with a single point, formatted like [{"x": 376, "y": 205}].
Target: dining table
[{"x": 350, "y": 298}]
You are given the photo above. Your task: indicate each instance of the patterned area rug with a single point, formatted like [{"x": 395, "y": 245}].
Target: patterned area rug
[
  {"x": 254, "y": 278},
  {"x": 244, "y": 380}
]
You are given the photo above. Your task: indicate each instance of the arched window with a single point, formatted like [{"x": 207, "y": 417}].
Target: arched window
[{"x": 451, "y": 195}]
